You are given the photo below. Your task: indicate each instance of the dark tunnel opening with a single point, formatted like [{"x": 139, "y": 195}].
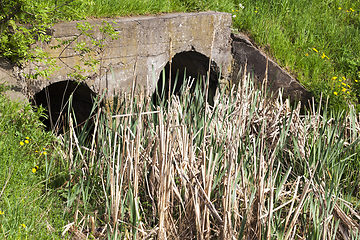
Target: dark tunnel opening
[
  {"x": 55, "y": 99},
  {"x": 189, "y": 64}
]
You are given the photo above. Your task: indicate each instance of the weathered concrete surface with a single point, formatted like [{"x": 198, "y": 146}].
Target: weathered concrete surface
[
  {"x": 244, "y": 52},
  {"x": 8, "y": 78},
  {"x": 147, "y": 42}
]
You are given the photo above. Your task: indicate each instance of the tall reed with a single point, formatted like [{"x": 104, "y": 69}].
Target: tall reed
[{"x": 247, "y": 167}]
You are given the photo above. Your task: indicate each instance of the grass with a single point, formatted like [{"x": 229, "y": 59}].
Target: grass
[
  {"x": 26, "y": 210},
  {"x": 316, "y": 41}
]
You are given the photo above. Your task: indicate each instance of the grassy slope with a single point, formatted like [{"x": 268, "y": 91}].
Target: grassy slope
[
  {"x": 317, "y": 42},
  {"x": 26, "y": 207}
]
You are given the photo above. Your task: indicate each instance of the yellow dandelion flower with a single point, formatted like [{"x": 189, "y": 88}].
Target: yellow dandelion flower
[
  {"x": 343, "y": 84},
  {"x": 1, "y": 212},
  {"x": 26, "y": 141},
  {"x": 44, "y": 149},
  {"x": 44, "y": 153},
  {"x": 352, "y": 9},
  {"x": 339, "y": 8},
  {"x": 27, "y": 138},
  {"x": 23, "y": 225},
  {"x": 342, "y": 78},
  {"x": 334, "y": 78},
  {"x": 306, "y": 54},
  {"x": 347, "y": 10},
  {"x": 323, "y": 56},
  {"x": 348, "y": 86},
  {"x": 34, "y": 170},
  {"x": 343, "y": 89},
  {"x": 356, "y": 80},
  {"x": 21, "y": 143},
  {"x": 348, "y": 92},
  {"x": 256, "y": 11},
  {"x": 37, "y": 167},
  {"x": 335, "y": 93},
  {"x": 315, "y": 50},
  {"x": 233, "y": 10}
]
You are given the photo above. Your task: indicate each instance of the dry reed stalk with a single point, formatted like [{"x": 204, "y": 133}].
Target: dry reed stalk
[
  {"x": 170, "y": 64},
  {"x": 300, "y": 204},
  {"x": 200, "y": 190},
  {"x": 113, "y": 183},
  {"x": 92, "y": 154},
  {"x": 208, "y": 185},
  {"x": 164, "y": 167},
  {"x": 136, "y": 164}
]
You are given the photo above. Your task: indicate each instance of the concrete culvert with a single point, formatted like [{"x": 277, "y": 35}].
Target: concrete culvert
[
  {"x": 196, "y": 65},
  {"x": 55, "y": 99}
]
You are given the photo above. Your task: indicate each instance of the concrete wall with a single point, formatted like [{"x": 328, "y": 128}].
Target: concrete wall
[
  {"x": 258, "y": 64},
  {"x": 145, "y": 41}
]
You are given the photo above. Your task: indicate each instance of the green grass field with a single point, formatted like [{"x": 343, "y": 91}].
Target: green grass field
[{"x": 245, "y": 167}]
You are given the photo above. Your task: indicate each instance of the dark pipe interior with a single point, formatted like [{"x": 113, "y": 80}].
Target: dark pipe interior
[
  {"x": 196, "y": 65},
  {"x": 54, "y": 99}
]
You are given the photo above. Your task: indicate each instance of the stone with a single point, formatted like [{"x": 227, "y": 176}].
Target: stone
[
  {"x": 243, "y": 51},
  {"x": 8, "y": 78}
]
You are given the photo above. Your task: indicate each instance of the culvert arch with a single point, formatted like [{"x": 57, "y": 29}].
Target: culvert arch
[
  {"x": 55, "y": 98},
  {"x": 185, "y": 65}
]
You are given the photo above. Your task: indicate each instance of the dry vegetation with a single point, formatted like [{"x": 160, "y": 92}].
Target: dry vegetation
[{"x": 245, "y": 168}]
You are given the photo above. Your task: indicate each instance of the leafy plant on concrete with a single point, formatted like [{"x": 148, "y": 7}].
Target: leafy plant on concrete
[
  {"x": 24, "y": 25},
  {"x": 91, "y": 50}
]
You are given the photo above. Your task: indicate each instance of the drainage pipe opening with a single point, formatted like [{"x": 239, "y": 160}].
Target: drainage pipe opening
[
  {"x": 55, "y": 98},
  {"x": 189, "y": 64}
]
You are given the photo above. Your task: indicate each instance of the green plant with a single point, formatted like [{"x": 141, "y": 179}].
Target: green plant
[
  {"x": 23, "y": 25},
  {"x": 91, "y": 55},
  {"x": 25, "y": 210}
]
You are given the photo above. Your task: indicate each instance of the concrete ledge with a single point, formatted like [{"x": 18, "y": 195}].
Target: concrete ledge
[
  {"x": 244, "y": 52},
  {"x": 8, "y": 78}
]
